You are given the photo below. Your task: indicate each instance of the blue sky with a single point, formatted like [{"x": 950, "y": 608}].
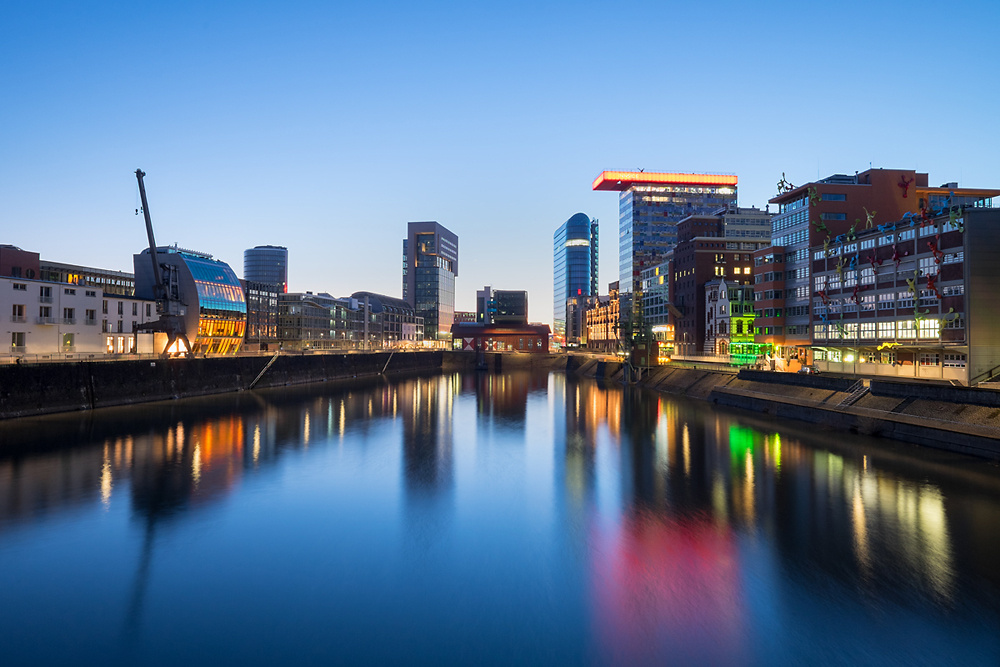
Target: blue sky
[{"x": 326, "y": 128}]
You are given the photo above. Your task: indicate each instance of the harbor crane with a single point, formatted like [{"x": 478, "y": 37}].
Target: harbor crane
[{"x": 169, "y": 307}]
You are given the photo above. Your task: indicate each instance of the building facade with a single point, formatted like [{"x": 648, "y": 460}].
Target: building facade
[
  {"x": 603, "y": 323},
  {"x": 215, "y": 316},
  {"x": 574, "y": 267},
  {"x": 915, "y": 298},
  {"x": 430, "y": 265},
  {"x": 52, "y": 318},
  {"x": 501, "y": 306},
  {"x": 262, "y": 315},
  {"x": 393, "y": 323},
  {"x": 576, "y": 319},
  {"x": 702, "y": 255},
  {"x": 650, "y": 206},
  {"x": 110, "y": 282},
  {"x": 729, "y": 321},
  {"x": 478, "y": 337},
  {"x": 267, "y": 264},
  {"x": 821, "y": 212}
]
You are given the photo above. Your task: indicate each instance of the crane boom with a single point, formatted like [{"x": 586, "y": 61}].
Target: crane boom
[{"x": 159, "y": 293}]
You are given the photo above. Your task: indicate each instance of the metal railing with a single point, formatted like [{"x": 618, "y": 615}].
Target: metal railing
[
  {"x": 45, "y": 299},
  {"x": 90, "y": 322},
  {"x": 69, "y": 320},
  {"x": 18, "y": 319},
  {"x": 45, "y": 320}
]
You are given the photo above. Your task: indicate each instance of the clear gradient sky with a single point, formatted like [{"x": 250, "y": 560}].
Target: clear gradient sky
[{"x": 325, "y": 128}]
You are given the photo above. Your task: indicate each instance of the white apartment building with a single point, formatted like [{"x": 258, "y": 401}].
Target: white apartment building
[{"x": 75, "y": 321}]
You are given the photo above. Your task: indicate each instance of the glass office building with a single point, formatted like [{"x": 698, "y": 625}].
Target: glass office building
[
  {"x": 574, "y": 267},
  {"x": 430, "y": 265},
  {"x": 649, "y": 207},
  {"x": 215, "y": 315},
  {"x": 267, "y": 264}
]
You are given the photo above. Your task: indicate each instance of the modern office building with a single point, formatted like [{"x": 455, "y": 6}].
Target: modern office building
[
  {"x": 576, "y": 319},
  {"x": 430, "y": 265},
  {"x": 267, "y": 264},
  {"x": 501, "y": 306},
  {"x": 262, "y": 315},
  {"x": 392, "y": 322},
  {"x": 649, "y": 206},
  {"x": 913, "y": 298},
  {"x": 215, "y": 316},
  {"x": 308, "y": 321},
  {"x": 574, "y": 267},
  {"x": 821, "y": 212},
  {"x": 464, "y": 316}
]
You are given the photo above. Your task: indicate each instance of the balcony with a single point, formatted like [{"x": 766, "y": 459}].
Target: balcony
[
  {"x": 45, "y": 299},
  {"x": 90, "y": 322},
  {"x": 45, "y": 320},
  {"x": 69, "y": 320},
  {"x": 68, "y": 348},
  {"x": 17, "y": 349},
  {"x": 18, "y": 319}
]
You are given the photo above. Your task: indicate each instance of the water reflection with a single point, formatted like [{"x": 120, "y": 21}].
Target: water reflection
[{"x": 681, "y": 530}]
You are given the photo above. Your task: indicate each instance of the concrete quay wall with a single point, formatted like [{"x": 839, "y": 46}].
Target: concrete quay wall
[
  {"x": 36, "y": 389},
  {"x": 955, "y": 419}
]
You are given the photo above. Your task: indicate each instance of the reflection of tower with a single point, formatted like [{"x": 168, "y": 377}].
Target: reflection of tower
[
  {"x": 502, "y": 399},
  {"x": 427, "y": 433}
]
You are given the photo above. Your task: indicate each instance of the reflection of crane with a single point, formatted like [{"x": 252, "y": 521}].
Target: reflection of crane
[{"x": 168, "y": 304}]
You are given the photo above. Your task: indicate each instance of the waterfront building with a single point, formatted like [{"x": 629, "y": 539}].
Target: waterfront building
[
  {"x": 729, "y": 316},
  {"x": 262, "y": 315},
  {"x": 55, "y": 319},
  {"x": 574, "y": 267},
  {"x": 119, "y": 283},
  {"x": 267, "y": 264},
  {"x": 650, "y": 206},
  {"x": 821, "y": 211},
  {"x": 704, "y": 254},
  {"x": 465, "y": 316},
  {"x": 478, "y": 337},
  {"x": 430, "y": 265},
  {"x": 392, "y": 322},
  {"x": 912, "y": 299},
  {"x": 308, "y": 321},
  {"x": 602, "y": 322},
  {"x": 215, "y": 314}
]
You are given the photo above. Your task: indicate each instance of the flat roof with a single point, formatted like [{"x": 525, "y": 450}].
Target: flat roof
[{"x": 623, "y": 180}]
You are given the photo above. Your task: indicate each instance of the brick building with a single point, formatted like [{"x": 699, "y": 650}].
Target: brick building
[
  {"x": 911, "y": 299},
  {"x": 820, "y": 212}
]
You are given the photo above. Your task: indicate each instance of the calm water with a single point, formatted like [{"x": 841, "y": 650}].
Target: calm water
[{"x": 486, "y": 519}]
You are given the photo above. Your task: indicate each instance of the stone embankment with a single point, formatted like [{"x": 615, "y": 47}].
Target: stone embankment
[{"x": 951, "y": 418}]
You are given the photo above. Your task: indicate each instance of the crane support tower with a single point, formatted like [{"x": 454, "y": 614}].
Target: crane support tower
[{"x": 169, "y": 307}]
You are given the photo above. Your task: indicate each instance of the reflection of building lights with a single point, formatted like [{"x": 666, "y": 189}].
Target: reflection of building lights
[
  {"x": 106, "y": 478},
  {"x": 196, "y": 465},
  {"x": 256, "y": 444}
]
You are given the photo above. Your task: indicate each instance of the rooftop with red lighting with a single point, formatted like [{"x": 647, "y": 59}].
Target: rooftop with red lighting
[{"x": 623, "y": 180}]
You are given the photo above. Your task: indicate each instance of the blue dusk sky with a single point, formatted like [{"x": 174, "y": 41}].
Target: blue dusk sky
[{"x": 326, "y": 127}]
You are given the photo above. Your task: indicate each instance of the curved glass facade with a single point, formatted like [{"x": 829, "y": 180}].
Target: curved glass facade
[
  {"x": 222, "y": 308},
  {"x": 267, "y": 264},
  {"x": 574, "y": 267}
]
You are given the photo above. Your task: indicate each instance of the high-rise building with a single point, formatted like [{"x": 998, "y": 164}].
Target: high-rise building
[
  {"x": 650, "y": 206},
  {"x": 574, "y": 267},
  {"x": 430, "y": 264},
  {"x": 267, "y": 264}
]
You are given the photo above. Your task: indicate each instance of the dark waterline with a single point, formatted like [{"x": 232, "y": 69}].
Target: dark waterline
[{"x": 486, "y": 519}]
